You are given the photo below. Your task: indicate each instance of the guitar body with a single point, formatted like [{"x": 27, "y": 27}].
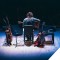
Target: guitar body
[
  {"x": 40, "y": 40},
  {"x": 36, "y": 43}
]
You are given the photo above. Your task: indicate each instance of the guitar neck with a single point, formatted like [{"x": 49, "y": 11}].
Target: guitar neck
[{"x": 19, "y": 22}]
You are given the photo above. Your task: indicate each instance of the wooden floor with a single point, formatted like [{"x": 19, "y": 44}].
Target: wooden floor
[{"x": 24, "y": 51}]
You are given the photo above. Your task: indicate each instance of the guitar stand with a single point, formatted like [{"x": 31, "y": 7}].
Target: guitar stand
[{"x": 16, "y": 41}]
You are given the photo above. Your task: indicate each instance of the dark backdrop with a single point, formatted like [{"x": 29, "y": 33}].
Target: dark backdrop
[{"x": 46, "y": 10}]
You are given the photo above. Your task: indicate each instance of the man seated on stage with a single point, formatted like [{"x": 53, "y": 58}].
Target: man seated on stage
[{"x": 29, "y": 20}]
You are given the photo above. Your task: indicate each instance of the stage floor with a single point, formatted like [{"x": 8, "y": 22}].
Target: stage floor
[{"x": 23, "y": 51}]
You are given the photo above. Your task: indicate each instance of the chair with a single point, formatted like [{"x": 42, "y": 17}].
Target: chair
[
  {"x": 28, "y": 33},
  {"x": 17, "y": 31}
]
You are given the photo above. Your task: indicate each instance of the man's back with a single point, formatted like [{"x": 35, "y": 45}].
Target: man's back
[{"x": 30, "y": 21}]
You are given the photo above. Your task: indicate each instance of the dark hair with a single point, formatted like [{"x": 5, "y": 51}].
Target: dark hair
[{"x": 30, "y": 14}]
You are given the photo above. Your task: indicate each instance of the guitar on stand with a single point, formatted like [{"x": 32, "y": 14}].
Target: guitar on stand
[
  {"x": 8, "y": 32},
  {"x": 40, "y": 38}
]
